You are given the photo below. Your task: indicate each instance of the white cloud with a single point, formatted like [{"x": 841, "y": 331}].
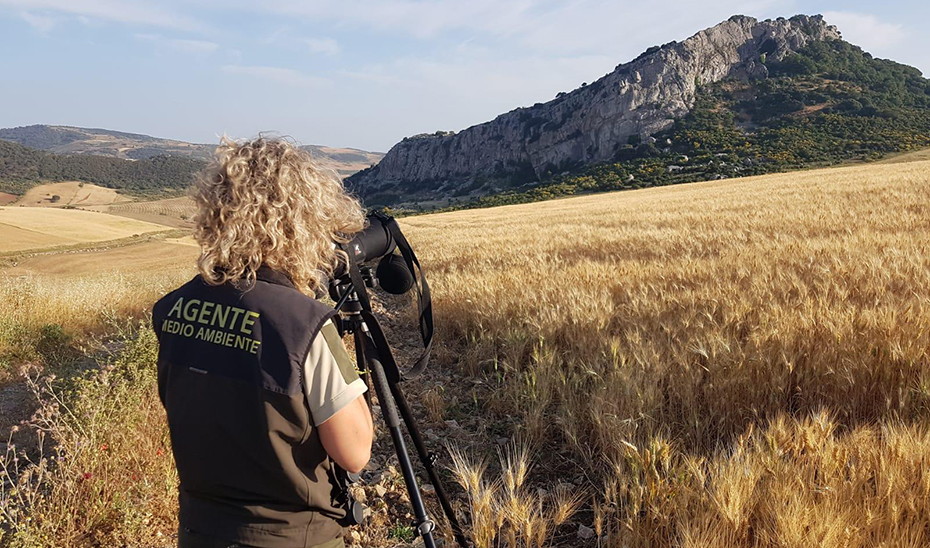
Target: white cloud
[
  {"x": 136, "y": 12},
  {"x": 41, "y": 23},
  {"x": 180, "y": 44},
  {"x": 326, "y": 46},
  {"x": 866, "y": 30},
  {"x": 286, "y": 76}
]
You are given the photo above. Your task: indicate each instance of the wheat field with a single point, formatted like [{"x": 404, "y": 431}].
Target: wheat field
[{"x": 739, "y": 363}]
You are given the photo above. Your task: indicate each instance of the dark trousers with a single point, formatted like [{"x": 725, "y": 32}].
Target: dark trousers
[{"x": 191, "y": 539}]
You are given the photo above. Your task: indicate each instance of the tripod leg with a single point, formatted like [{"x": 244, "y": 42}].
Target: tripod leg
[
  {"x": 360, "y": 362},
  {"x": 424, "y": 525},
  {"x": 428, "y": 460}
]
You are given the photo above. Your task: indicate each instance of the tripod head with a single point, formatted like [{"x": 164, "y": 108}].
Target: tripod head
[{"x": 347, "y": 303}]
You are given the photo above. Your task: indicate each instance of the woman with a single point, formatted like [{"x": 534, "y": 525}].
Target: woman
[{"x": 260, "y": 393}]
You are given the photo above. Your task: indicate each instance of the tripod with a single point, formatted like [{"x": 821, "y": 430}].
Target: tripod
[{"x": 369, "y": 358}]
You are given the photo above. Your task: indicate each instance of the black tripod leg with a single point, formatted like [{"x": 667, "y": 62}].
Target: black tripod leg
[
  {"x": 424, "y": 525},
  {"x": 360, "y": 362},
  {"x": 428, "y": 460}
]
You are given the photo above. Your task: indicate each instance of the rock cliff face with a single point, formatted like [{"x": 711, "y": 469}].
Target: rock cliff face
[{"x": 591, "y": 123}]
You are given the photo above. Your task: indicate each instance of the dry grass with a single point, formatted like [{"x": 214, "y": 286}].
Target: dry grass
[
  {"x": 505, "y": 511},
  {"x": 39, "y": 314},
  {"x": 102, "y": 474},
  {"x": 732, "y": 364}
]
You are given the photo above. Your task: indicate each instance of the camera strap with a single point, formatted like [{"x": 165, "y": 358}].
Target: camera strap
[{"x": 424, "y": 301}]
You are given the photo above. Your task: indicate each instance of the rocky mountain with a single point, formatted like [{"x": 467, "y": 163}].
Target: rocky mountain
[
  {"x": 590, "y": 124},
  {"x": 134, "y": 146}
]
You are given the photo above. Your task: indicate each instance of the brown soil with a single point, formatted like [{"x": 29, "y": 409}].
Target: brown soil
[{"x": 16, "y": 405}]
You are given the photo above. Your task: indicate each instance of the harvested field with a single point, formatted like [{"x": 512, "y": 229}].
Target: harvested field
[
  {"x": 905, "y": 157},
  {"x": 71, "y": 193},
  {"x": 18, "y": 239},
  {"x": 145, "y": 257},
  {"x": 173, "y": 212},
  {"x": 26, "y": 228},
  {"x": 343, "y": 161}
]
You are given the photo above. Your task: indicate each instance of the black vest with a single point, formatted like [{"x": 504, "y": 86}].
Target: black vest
[{"x": 230, "y": 375}]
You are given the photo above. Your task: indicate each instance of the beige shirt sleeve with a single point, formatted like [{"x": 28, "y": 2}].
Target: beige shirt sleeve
[{"x": 330, "y": 379}]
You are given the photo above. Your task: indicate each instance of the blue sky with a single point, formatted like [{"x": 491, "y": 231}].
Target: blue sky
[{"x": 358, "y": 73}]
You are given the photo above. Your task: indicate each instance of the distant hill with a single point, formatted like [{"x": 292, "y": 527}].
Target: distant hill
[
  {"x": 741, "y": 98},
  {"x": 101, "y": 142},
  {"x": 134, "y": 146},
  {"x": 22, "y": 168}
]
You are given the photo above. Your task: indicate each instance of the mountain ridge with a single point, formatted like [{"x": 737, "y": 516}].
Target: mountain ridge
[
  {"x": 828, "y": 103},
  {"x": 61, "y": 139},
  {"x": 589, "y": 124}
]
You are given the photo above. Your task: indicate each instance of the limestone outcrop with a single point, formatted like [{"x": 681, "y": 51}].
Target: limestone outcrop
[{"x": 591, "y": 123}]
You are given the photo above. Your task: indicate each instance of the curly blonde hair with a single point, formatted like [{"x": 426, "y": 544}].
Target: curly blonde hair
[{"x": 265, "y": 201}]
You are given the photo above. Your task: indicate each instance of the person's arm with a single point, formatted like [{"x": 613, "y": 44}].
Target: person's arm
[
  {"x": 334, "y": 395},
  {"x": 347, "y": 436}
]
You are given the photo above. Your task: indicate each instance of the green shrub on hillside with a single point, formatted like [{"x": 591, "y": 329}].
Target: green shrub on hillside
[{"x": 22, "y": 167}]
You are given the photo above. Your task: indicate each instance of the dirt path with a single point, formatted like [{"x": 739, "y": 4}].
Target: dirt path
[
  {"x": 16, "y": 405},
  {"x": 382, "y": 487}
]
